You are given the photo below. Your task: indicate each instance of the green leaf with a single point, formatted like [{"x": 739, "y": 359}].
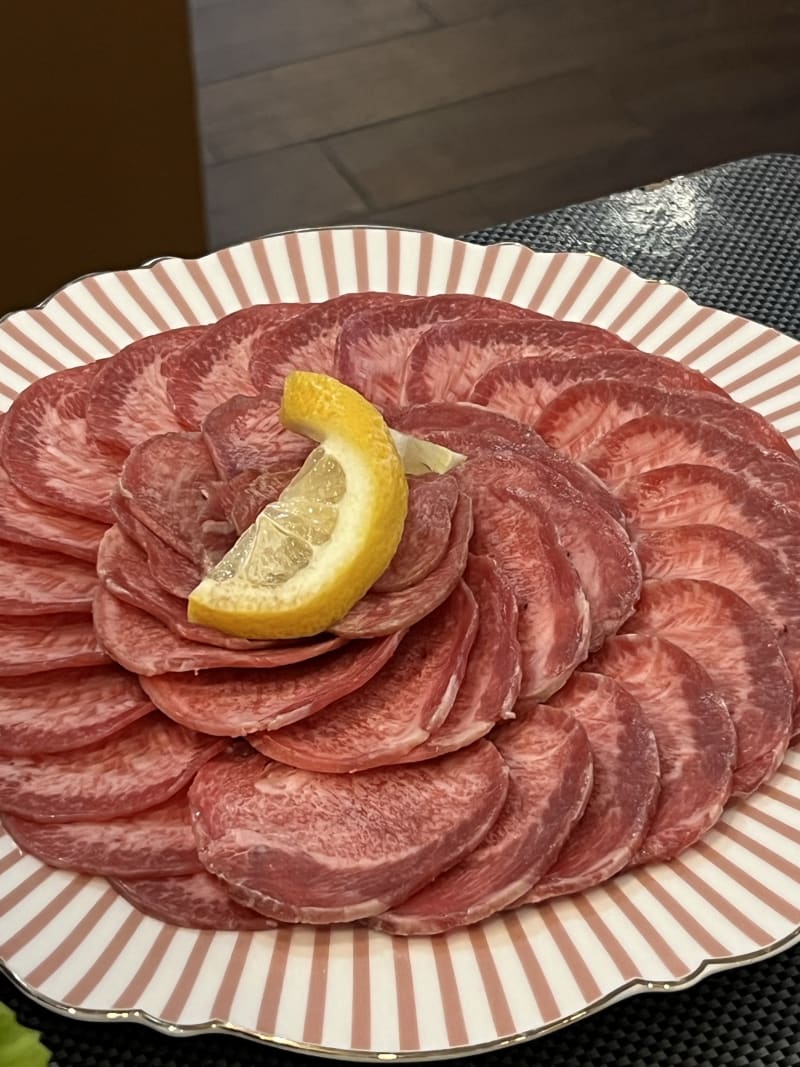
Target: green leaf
[{"x": 19, "y": 1046}]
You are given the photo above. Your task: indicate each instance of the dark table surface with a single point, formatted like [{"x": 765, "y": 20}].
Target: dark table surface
[{"x": 729, "y": 236}]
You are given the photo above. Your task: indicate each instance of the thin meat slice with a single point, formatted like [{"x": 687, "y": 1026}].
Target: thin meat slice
[
  {"x": 34, "y": 581},
  {"x": 356, "y": 845},
  {"x": 738, "y": 649},
  {"x": 199, "y": 901},
  {"x": 475, "y": 431},
  {"x": 694, "y": 733},
  {"x": 123, "y": 569},
  {"x": 379, "y": 614},
  {"x": 134, "y": 769},
  {"x": 156, "y": 843},
  {"x": 147, "y": 647},
  {"x": 596, "y": 544},
  {"x": 244, "y": 497},
  {"x": 215, "y": 366},
  {"x": 165, "y": 486},
  {"x": 685, "y": 494},
  {"x": 661, "y": 441},
  {"x": 61, "y": 710},
  {"x": 48, "y": 452},
  {"x": 172, "y": 572},
  {"x": 245, "y": 433},
  {"x": 423, "y": 420},
  {"x": 625, "y": 789},
  {"x": 522, "y": 388},
  {"x": 432, "y": 501},
  {"x": 491, "y": 683},
  {"x": 230, "y": 702},
  {"x": 33, "y": 643},
  {"x": 521, "y": 537},
  {"x": 550, "y": 765},
  {"x": 308, "y": 341},
  {"x": 222, "y": 494},
  {"x": 373, "y": 347},
  {"x": 26, "y": 521},
  {"x": 370, "y": 727},
  {"x": 448, "y": 359},
  {"x": 582, "y": 414},
  {"x": 741, "y": 565},
  {"x": 128, "y": 399}
]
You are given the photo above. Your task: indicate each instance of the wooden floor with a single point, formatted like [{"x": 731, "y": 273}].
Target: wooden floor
[{"x": 454, "y": 114}]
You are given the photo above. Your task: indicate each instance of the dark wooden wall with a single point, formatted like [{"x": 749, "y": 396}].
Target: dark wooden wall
[{"x": 99, "y": 163}]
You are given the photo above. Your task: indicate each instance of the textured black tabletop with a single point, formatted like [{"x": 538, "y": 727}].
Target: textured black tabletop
[{"x": 729, "y": 236}]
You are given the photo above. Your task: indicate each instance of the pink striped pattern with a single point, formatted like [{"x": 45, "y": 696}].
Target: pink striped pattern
[{"x": 355, "y": 991}]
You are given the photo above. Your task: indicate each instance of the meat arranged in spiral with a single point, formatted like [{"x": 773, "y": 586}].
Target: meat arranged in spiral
[{"x": 587, "y": 642}]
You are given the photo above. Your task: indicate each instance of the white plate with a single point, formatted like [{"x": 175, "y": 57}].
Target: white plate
[{"x": 76, "y": 945}]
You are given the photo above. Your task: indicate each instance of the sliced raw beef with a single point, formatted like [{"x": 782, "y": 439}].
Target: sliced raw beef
[
  {"x": 147, "y": 647},
  {"x": 432, "y": 501},
  {"x": 738, "y": 649},
  {"x": 134, "y": 769},
  {"x": 582, "y": 414},
  {"x": 596, "y": 545},
  {"x": 624, "y": 791},
  {"x": 165, "y": 485},
  {"x": 475, "y": 431},
  {"x": 199, "y": 901},
  {"x": 47, "y": 451},
  {"x": 662, "y": 441},
  {"x": 61, "y": 710},
  {"x": 123, "y": 569},
  {"x": 694, "y": 733},
  {"x": 174, "y": 573},
  {"x": 222, "y": 494},
  {"x": 157, "y": 843},
  {"x": 489, "y": 689},
  {"x": 33, "y": 581},
  {"x": 308, "y": 341},
  {"x": 741, "y": 565},
  {"x": 215, "y": 366},
  {"x": 550, "y": 764},
  {"x": 373, "y": 347},
  {"x": 685, "y": 494},
  {"x": 378, "y": 614},
  {"x": 26, "y": 521},
  {"x": 245, "y": 433},
  {"x": 128, "y": 399},
  {"x": 522, "y": 388},
  {"x": 553, "y": 628},
  {"x": 243, "y": 498},
  {"x": 230, "y": 702},
  {"x": 31, "y": 643},
  {"x": 448, "y": 359},
  {"x": 370, "y": 727},
  {"x": 427, "y": 420},
  {"x": 356, "y": 845}
]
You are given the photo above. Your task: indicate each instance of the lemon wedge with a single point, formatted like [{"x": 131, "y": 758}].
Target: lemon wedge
[
  {"x": 314, "y": 552},
  {"x": 424, "y": 457}
]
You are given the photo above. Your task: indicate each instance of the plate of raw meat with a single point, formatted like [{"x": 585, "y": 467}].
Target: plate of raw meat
[{"x": 545, "y": 763}]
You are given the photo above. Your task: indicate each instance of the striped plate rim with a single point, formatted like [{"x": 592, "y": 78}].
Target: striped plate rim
[{"x": 76, "y": 947}]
